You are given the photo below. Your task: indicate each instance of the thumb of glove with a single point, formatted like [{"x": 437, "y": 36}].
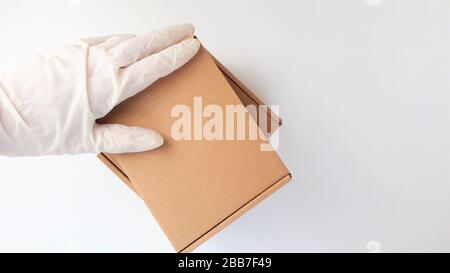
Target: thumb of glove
[{"x": 115, "y": 138}]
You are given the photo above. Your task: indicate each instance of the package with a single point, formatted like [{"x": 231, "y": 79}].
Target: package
[{"x": 194, "y": 188}]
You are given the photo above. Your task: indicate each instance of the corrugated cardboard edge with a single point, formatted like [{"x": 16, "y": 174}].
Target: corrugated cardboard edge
[
  {"x": 116, "y": 170},
  {"x": 247, "y": 91},
  {"x": 242, "y": 86},
  {"x": 232, "y": 217}
]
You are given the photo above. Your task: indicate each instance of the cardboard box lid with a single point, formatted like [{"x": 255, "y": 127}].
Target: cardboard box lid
[{"x": 193, "y": 188}]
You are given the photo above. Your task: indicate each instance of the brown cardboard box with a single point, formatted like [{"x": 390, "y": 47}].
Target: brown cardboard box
[{"x": 195, "y": 188}]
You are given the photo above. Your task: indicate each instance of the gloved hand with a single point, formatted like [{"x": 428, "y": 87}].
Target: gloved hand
[{"x": 49, "y": 105}]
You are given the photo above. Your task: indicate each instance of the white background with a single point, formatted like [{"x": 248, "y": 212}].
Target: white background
[{"x": 364, "y": 91}]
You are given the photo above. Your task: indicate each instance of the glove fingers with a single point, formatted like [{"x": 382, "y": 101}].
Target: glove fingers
[
  {"x": 142, "y": 74},
  {"x": 142, "y": 46},
  {"x": 94, "y": 41},
  {"x": 113, "y": 41},
  {"x": 115, "y": 138}
]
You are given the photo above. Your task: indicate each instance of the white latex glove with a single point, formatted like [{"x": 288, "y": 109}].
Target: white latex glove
[{"x": 49, "y": 104}]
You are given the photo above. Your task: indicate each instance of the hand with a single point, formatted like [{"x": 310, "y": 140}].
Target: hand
[{"x": 49, "y": 105}]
